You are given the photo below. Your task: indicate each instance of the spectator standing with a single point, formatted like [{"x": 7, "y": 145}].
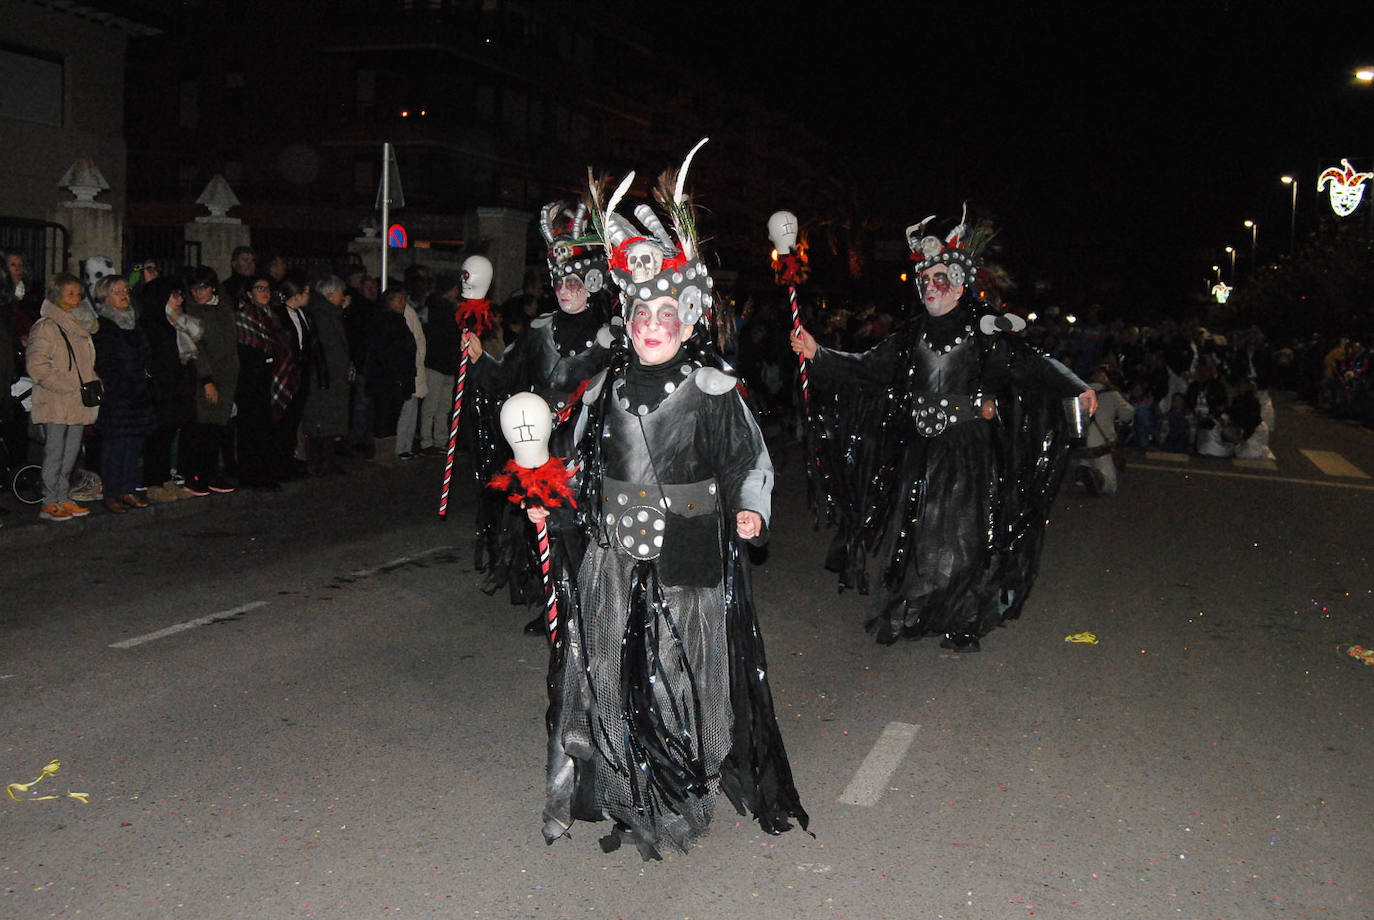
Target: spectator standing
[
  {"x": 243, "y": 268},
  {"x": 264, "y": 355},
  {"x": 173, "y": 337},
  {"x": 358, "y": 321},
  {"x": 217, "y": 375},
  {"x": 443, "y": 353},
  {"x": 290, "y": 391},
  {"x": 326, "y": 408},
  {"x": 126, "y": 414},
  {"x": 410, "y": 409},
  {"x": 390, "y": 371},
  {"x": 60, "y": 358}
]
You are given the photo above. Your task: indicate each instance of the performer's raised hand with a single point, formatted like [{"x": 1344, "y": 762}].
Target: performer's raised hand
[
  {"x": 1088, "y": 401},
  {"x": 803, "y": 344},
  {"x": 536, "y": 513},
  {"x": 473, "y": 345},
  {"x": 748, "y": 524}
]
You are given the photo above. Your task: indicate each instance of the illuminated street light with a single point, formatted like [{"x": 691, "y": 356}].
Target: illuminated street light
[
  {"x": 1365, "y": 75},
  {"x": 1254, "y": 245},
  {"x": 1217, "y": 269},
  {"x": 1231, "y": 251},
  {"x": 1293, "y": 211}
]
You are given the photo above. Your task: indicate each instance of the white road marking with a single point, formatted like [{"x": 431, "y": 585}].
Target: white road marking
[
  {"x": 1333, "y": 464},
  {"x": 399, "y": 561},
  {"x": 189, "y": 624},
  {"x": 868, "y": 784}
]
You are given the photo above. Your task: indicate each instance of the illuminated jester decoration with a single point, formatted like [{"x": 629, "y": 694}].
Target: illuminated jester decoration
[
  {"x": 1221, "y": 291},
  {"x": 1347, "y": 187}
]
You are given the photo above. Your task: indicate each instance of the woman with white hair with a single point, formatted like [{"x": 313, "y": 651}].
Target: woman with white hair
[{"x": 126, "y": 415}]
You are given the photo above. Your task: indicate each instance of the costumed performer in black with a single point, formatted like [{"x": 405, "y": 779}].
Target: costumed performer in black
[
  {"x": 659, "y": 697},
  {"x": 951, "y": 472},
  {"x": 553, "y": 358}
]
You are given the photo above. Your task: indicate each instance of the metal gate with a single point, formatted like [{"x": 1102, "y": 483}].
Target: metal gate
[{"x": 44, "y": 245}]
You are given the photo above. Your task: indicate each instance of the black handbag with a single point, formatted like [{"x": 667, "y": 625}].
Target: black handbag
[{"x": 92, "y": 391}]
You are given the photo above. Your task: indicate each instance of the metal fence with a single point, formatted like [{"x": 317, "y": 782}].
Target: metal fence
[{"x": 44, "y": 244}]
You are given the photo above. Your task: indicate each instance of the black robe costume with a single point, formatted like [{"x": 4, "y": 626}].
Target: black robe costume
[
  {"x": 658, "y": 689},
  {"x": 943, "y": 460},
  {"x": 555, "y": 354}
]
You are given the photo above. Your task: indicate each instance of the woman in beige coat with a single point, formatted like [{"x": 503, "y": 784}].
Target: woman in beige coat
[{"x": 60, "y": 357}]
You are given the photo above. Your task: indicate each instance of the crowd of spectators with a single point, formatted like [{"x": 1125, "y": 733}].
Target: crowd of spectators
[
  {"x": 271, "y": 373},
  {"x": 277, "y": 372}
]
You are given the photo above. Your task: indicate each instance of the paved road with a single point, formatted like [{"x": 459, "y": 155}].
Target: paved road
[{"x": 346, "y": 728}]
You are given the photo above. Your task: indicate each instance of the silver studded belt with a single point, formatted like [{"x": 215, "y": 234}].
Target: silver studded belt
[
  {"x": 935, "y": 412},
  {"x": 636, "y": 514}
]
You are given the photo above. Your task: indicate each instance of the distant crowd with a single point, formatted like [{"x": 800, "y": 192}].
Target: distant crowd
[{"x": 213, "y": 383}]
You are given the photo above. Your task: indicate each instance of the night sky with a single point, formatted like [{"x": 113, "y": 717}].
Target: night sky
[{"x": 1122, "y": 145}]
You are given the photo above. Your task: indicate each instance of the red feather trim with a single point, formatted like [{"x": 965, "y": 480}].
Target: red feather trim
[
  {"x": 544, "y": 486},
  {"x": 573, "y": 400},
  {"x": 475, "y": 316}
]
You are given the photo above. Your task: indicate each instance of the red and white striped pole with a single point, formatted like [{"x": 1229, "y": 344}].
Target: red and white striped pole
[
  {"x": 453, "y": 427},
  {"x": 801, "y": 359},
  {"x": 550, "y": 599}
]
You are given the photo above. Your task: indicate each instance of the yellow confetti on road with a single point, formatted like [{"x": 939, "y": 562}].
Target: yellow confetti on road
[
  {"x": 52, "y": 767},
  {"x": 1085, "y": 638}
]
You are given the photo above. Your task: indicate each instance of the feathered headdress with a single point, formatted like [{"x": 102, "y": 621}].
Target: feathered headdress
[
  {"x": 572, "y": 250},
  {"x": 646, "y": 261},
  {"x": 960, "y": 250}
]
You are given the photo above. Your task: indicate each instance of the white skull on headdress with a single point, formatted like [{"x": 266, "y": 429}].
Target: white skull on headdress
[{"x": 645, "y": 260}]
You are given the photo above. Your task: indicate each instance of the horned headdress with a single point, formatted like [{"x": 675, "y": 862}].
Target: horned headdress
[
  {"x": 646, "y": 261},
  {"x": 961, "y": 250},
  {"x": 572, "y": 249}
]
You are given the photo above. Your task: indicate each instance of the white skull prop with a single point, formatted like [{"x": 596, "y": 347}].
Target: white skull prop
[
  {"x": 526, "y": 422},
  {"x": 645, "y": 260},
  {"x": 96, "y": 267},
  {"x": 782, "y": 231},
  {"x": 476, "y": 277}
]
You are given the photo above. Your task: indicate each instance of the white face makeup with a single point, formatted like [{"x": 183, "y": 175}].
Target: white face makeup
[
  {"x": 656, "y": 330},
  {"x": 939, "y": 293},
  {"x": 571, "y": 294}
]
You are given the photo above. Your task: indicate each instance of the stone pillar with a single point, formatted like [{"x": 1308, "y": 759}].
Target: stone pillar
[
  {"x": 95, "y": 228},
  {"x": 506, "y": 230},
  {"x": 218, "y": 234}
]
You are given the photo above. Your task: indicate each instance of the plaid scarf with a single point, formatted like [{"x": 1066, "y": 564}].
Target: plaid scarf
[{"x": 258, "y": 328}]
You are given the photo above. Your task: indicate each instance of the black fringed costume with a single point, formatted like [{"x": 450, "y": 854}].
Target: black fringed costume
[
  {"x": 658, "y": 683},
  {"x": 942, "y": 449}
]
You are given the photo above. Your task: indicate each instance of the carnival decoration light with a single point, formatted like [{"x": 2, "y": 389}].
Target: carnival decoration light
[
  {"x": 534, "y": 479},
  {"x": 1221, "y": 291},
  {"x": 1347, "y": 187}
]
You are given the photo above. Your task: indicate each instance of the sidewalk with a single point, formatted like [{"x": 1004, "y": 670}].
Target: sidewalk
[{"x": 21, "y": 526}]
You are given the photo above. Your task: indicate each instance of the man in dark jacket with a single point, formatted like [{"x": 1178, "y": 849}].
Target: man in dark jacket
[{"x": 443, "y": 353}]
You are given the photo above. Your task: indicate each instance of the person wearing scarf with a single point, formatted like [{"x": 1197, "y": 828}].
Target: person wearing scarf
[
  {"x": 126, "y": 414},
  {"x": 267, "y": 377}
]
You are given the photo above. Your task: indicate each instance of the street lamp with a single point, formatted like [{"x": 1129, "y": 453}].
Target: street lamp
[
  {"x": 1254, "y": 245},
  {"x": 1293, "y": 210},
  {"x": 1217, "y": 269},
  {"x": 1231, "y": 251},
  {"x": 1365, "y": 75}
]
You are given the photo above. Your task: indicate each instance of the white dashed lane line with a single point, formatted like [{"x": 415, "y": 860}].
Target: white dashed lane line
[
  {"x": 189, "y": 624},
  {"x": 869, "y": 783}
]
